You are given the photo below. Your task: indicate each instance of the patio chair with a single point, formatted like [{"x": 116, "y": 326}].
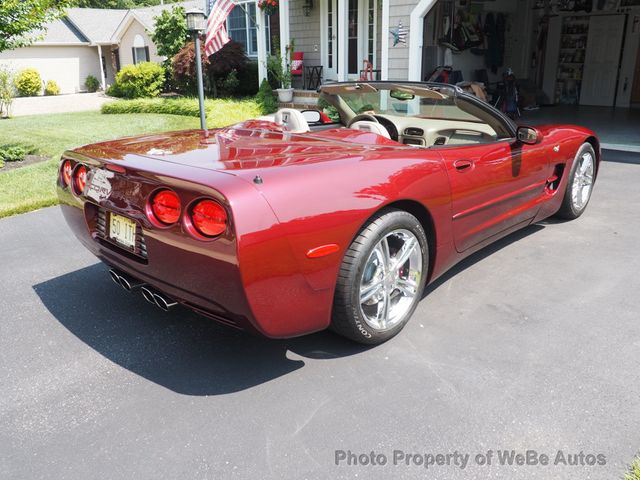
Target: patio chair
[{"x": 297, "y": 67}]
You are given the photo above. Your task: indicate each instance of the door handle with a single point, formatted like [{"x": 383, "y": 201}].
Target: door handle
[{"x": 463, "y": 165}]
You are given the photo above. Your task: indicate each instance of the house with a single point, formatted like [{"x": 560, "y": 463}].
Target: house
[
  {"x": 543, "y": 41},
  {"x": 91, "y": 41}
]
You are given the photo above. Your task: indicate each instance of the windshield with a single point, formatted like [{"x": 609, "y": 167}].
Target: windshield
[{"x": 401, "y": 100}]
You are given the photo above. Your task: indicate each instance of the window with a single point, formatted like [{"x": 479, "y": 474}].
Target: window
[
  {"x": 140, "y": 51},
  {"x": 241, "y": 26}
]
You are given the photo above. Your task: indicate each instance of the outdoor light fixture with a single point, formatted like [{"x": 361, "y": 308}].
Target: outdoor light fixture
[
  {"x": 196, "y": 20},
  {"x": 307, "y": 7}
]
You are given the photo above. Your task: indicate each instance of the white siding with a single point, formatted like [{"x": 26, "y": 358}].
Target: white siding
[
  {"x": 305, "y": 31},
  {"x": 399, "y": 11},
  {"x": 69, "y": 66}
]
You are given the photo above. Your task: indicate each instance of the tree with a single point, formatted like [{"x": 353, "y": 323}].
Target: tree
[
  {"x": 124, "y": 4},
  {"x": 22, "y": 21},
  {"x": 170, "y": 33}
]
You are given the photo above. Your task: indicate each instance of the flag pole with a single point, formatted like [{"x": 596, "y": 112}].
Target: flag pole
[
  {"x": 196, "y": 21},
  {"x": 203, "y": 120}
]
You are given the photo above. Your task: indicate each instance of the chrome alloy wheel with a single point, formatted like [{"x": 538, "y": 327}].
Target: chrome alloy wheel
[
  {"x": 390, "y": 279},
  {"x": 582, "y": 182}
]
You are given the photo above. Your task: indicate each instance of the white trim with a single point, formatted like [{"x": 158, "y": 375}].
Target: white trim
[
  {"x": 102, "y": 76},
  {"x": 283, "y": 11},
  {"x": 343, "y": 40},
  {"x": 416, "y": 25},
  {"x": 262, "y": 45},
  {"x": 384, "y": 44}
]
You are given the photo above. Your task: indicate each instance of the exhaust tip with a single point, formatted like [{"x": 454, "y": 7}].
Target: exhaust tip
[
  {"x": 125, "y": 284},
  {"x": 115, "y": 277},
  {"x": 148, "y": 295},
  {"x": 164, "y": 303}
]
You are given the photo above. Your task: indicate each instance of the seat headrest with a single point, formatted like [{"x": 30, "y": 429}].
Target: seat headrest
[
  {"x": 291, "y": 120},
  {"x": 369, "y": 126}
]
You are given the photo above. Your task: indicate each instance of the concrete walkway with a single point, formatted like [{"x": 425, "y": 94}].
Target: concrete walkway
[{"x": 76, "y": 102}]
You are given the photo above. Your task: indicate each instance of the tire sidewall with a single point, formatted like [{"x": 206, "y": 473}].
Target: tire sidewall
[
  {"x": 568, "y": 199},
  {"x": 393, "y": 220}
]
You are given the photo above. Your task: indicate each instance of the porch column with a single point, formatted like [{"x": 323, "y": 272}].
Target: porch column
[
  {"x": 283, "y": 11},
  {"x": 102, "y": 77},
  {"x": 416, "y": 27},
  {"x": 262, "y": 44},
  {"x": 343, "y": 40},
  {"x": 384, "y": 43}
]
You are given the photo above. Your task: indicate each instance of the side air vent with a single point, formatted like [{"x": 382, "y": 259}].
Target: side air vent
[
  {"x": 440, "y": 141},
  {"x": 414, "y": 132}
]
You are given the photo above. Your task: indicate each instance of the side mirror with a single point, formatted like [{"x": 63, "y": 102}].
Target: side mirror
[
  {"x": 312, "y": 116},
  {"x": 528, "y": 135}
]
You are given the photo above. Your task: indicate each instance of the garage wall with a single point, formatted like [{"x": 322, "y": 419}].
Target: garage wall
[
  {"x": 517, "y": 41},
  {"x": 69, "y": 66},
  {"x": 629, "y": 55}
]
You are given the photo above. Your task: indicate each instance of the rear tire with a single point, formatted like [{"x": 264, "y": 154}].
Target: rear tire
[
  {"x": 381, "y": 278},
  {"x": 579, "y": 184}
]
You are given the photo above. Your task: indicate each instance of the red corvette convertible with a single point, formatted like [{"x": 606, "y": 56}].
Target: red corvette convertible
[{"x": 289, "y": 226}]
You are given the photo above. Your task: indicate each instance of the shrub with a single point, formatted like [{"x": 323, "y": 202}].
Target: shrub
[
  {"x": 217, "y": 67},
  {"x": 13, "y": 153},
  {"x": 92, "y": 83},
  {"x": 230, "y": 83},
  {"x": 220, "y": 112},
  {"x": 51, "y": 88},
  {"x": 7, "y": 91},
  {"x": 266, "y": 98},
  {"x": 328, "y": 109},
  {"x": 28, "y": 82},
  {"x": 248, "y": 78},
  {"x": 172, "y": 106},
  {"x": 135, "y": 81}
]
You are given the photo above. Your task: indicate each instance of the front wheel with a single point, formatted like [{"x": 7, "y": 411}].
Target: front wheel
[
  {"x": 579, "y": 184},
  {"x": 381, "y": 278}
]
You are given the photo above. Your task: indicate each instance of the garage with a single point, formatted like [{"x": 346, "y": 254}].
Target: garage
[{"x": 574, "y": 61}]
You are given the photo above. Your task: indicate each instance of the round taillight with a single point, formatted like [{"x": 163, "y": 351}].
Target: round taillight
[
  {"x": 209, "y": 218},
  {"x": 80, "y": 179},
  {"x": 66, "y": 172},
  {"x": 166, "y": 206}
]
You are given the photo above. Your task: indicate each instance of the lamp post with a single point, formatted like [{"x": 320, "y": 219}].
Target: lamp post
[{"x": 196, "y": 23}]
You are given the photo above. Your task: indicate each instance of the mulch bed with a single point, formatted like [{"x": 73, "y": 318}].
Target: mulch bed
[{"x": 28, "y": 160}]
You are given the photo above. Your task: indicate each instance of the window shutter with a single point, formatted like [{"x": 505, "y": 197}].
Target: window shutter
[
  {"x": 133, "y": 54},
  {"x": 146, "y": 52}
]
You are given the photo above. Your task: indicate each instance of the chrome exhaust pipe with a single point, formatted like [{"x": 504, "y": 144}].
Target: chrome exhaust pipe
[
  {"x": 130, "y": 284},
  {"x": 165, "y": 303},
  {"x": 115, "y": 277},
  {"x": 158, "y": 299},
  {"x": 148, "y": 295}
]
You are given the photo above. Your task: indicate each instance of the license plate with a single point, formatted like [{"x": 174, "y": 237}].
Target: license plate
[{"x": 122, "y": 230}]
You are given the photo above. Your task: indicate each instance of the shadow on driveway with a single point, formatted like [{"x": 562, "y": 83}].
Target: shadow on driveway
[
  {"x": 183, "y": 351},
  {"x": 180, "y": 350}
]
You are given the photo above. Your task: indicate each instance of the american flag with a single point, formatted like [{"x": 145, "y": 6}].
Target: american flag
[{"x": 217, "y": 36}]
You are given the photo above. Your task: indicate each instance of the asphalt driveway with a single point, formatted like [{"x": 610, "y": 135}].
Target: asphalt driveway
[{"x": 532, "y": 344}]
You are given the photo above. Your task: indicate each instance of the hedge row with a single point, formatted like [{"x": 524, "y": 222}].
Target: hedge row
[{"x": 219, "y": 112}]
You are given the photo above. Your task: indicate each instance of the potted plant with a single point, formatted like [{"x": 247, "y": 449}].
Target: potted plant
[
  {"x": 269, "y": 7},
  {"x": 280, "y": 68}
]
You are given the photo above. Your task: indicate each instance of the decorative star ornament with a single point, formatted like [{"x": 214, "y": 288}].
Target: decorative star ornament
[{"x": 399, "y": 34}]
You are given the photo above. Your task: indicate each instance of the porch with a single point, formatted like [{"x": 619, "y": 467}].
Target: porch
[{"x": 335, "y": 38}]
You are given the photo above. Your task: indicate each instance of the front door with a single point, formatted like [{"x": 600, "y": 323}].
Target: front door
[
  {"x": 602, "y": 60},
  {"x": 360, "y": 40},
  {"x": 494, "y": 187}
]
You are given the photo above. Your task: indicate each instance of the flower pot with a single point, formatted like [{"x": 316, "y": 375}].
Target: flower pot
[{"x": 285, "y": 95}]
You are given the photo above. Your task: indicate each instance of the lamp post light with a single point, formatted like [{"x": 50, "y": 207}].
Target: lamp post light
[{"x": 196, "y": 23}]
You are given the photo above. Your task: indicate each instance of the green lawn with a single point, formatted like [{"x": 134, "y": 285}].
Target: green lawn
[
  {"x": 33, "y": 187},
  {"x": 634, "y": 471}
]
